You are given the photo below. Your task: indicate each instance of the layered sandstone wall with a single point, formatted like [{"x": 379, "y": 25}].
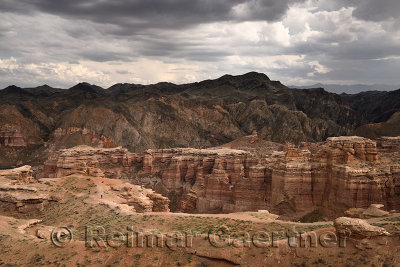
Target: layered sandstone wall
[
  {"x": 18, "y": 188},
  {"x": 335, "y": 175},
  {"x": 21, "y": 175},
  {"x": 10, "y": 136},
  {"x": 348, "y": 172},
  {"x": 292, "y": 184},
  {"x": 84, "y": 160},
  {"x": 88, "y": 136},
  {"x": 388, "y": 143}
]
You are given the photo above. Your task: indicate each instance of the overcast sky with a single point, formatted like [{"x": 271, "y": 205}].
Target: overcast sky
[{"x": 104, "y": 42}]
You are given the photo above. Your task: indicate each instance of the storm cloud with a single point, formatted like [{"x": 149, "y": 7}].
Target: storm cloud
[
  {"x": 104, "y": 42},
  {"x": 138, "y": 15}
]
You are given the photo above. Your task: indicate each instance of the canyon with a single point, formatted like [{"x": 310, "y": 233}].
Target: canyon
[{"x": 292, "y": 181}]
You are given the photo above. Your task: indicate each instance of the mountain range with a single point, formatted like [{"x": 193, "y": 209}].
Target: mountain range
[{"x": 201, "y": 114}]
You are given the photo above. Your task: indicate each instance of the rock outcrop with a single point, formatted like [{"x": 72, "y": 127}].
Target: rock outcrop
[
  {"x": 23, "y": 198},
  {"x": 358, "y": 228},
  {"x": 73, "y": 136},
  {"x": 374, "y": 210},
  {"x": 18, "y": 188},
  {"x": 389, "y": 143},
  {"x": 10, "y": 136},
  {"x": 83, "y": 160},
  {"x": 331, "y": 176},
  {"x": 142, "y": 199},
  {"x": 355, "y": 213},
  {"x": 21, "y": 175}
]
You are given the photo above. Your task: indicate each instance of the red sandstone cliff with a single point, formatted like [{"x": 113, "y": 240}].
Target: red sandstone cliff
[
  {"x": 74, "y": 135},
  {"x": 10, "y": 136},
  {"x": 332, "y": 176}
]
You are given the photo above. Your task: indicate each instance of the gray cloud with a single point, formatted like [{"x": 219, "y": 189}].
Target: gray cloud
[
  {"x": 364, "y": 71},
  {"x": 377, "y": 10},
  {"x": 99, "y": 55},
  {"x": 133, "y": 16},
  {"x": 373, "y": 10},
  {"x": 63, "y": 42},
  {"x": 123, "y": 72}
]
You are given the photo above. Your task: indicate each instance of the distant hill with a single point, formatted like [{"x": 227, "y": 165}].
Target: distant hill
[{"x": 349, "y": 89}]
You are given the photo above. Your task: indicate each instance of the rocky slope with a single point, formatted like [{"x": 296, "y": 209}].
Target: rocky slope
[
  {"x": 331, "y": 176},
  {"x": 164, "y": 115},
  {"x": 20, "y": 192},
  {"x": 390, "y": 127},
  {"x": 374, "y": 106}
]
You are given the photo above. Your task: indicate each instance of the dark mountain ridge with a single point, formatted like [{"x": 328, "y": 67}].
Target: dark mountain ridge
[{"x": 200, "y": 114}]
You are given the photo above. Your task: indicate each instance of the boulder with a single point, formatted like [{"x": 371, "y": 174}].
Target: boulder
[
  {"x": 374, "y": 210},
  {"x": 355, "y": 213},
  {"x": 42, "y": 234},
  {"x": 358, "y": 228}
]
